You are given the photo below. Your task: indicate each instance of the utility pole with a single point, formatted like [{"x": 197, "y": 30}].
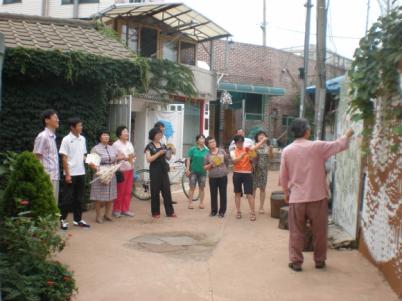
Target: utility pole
[
  {"x": 320, "y": 91},
  {"x": 308, "y": 6},
  {"x": 368, "y": 15},
  {"x": 264, "y": 23}
]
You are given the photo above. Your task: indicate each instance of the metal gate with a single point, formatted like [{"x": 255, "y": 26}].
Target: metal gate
[{"x": 120, "y": 114}]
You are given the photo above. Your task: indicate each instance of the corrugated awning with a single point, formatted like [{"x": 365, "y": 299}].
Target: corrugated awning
[
  {"x": 253, "y": 89},
  {"x": 177, "y": 16},
  {"x": 333, "y": 85}
]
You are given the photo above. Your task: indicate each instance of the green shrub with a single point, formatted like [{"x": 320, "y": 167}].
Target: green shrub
[
  {"x": 26, "y": 268},
  {"x": 29, "y": 189}
]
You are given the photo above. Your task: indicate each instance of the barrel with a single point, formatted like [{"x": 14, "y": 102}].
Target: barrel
[{"x": 277, "y": 202}]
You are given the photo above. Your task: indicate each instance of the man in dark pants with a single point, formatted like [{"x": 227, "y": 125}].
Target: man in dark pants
[{"x": 73, "y": 149}]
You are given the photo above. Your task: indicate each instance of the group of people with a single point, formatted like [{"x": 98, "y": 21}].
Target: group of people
[
  {"x": 302, "y": 176},
  {"x": 115, "y": 196}
]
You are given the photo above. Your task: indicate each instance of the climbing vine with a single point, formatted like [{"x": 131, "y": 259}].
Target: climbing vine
[{"x": 374, "y": 73}]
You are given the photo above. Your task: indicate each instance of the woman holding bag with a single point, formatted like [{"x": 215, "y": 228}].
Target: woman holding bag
[{"x": 104, "y": 193}]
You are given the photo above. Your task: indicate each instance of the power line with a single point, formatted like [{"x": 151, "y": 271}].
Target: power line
[{"x": 314, "y": 34}]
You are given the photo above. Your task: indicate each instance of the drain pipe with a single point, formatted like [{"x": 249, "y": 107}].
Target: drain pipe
[
  {"x": 75, "y": 9},
  {"x": 45, "y": 4}
]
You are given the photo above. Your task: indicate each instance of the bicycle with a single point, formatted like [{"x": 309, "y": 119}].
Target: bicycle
[{"x": 178, "y": 182}]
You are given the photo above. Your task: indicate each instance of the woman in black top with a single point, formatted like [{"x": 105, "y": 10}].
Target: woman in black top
[{"x": 156, "y": 154}]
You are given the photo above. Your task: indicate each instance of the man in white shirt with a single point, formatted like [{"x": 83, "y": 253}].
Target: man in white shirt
[
  {"x": 73, "y": 150},
  {"x": 247, "y": 141}
]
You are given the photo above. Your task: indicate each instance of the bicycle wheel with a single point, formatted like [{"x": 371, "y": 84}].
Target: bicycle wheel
[
  {"x": 142, "y": 185},
  {"x": 185, "y": 184}
]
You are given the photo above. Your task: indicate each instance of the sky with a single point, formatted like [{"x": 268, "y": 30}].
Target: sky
[{"x": 286, "y": 21}]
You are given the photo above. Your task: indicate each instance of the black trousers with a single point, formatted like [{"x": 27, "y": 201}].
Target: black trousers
[
  {"x": 220, "y": 184},
  {"x": 72, "y": 197},
  {"x": 160, "y": 184}
]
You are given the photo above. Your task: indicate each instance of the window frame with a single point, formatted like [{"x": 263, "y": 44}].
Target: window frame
[
  {"x": 71, "y": 2},
  {"x": 13, "y": 2}
]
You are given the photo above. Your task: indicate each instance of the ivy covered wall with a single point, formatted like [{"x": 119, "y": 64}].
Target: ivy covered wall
[{"x": 75, "y": 84}]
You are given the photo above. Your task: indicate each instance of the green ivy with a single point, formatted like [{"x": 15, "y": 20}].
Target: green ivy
[
  {"x": 374, "y": 72},
  {"x": 168, "y": 78}
]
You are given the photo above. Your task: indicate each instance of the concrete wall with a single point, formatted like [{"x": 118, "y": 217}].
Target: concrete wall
[
  {"x": 26, "y": 7},
  {"x": 56, "y": 9},
  {"x": 205, "y": 81},
  {"x": 381, "y": 217}
]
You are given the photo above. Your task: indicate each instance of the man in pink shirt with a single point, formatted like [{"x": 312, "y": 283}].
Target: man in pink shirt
[{"x": 303, "y": 180}]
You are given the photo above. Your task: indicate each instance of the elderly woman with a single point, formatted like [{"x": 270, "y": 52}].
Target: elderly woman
[
  {"x": 124, "y": 148},
  {"x": 216, "y": 162},
  {"x": 156, "y": 154},
  {"x": 101, "y": 193},
  {"x": 261, "y": 166}
]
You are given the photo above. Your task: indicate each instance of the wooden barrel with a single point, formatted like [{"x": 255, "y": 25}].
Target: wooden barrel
[{"x": 277, "y": 202}]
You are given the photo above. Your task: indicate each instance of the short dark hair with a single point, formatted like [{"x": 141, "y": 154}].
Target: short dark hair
[
  {"x": 208, "y": 139},
  {"x": 73, "y": 121},
  {"x": 238, "y": 138},
  {"x": 299, "y": 127},
  {"x": 159, "y": 124},
  {"x": 258, "y": 134},
  {"x": 100, "y": 133},
  {"x": 119, "y": 130},
  {"x": 152, "y": 133},
  {"x": 47, "y": 114},
  {"x": 199, "y": 136}
]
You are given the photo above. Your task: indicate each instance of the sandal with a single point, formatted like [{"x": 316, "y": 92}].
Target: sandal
[
  {"x": 252, "y": 217},
  {"x": 108, "y": 219},
  {"x": 261, "y": 211},
  {"x": 190, "y": 207},
  {"x": 201, "y": 206},
  {"x": 238, "y": 215}
]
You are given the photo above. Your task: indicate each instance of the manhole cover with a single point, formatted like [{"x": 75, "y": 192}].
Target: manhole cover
[{"x": 174, "y": 243}]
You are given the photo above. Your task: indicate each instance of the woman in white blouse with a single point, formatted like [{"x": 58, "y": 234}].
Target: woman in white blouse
[{"x": 125, "y": 148}]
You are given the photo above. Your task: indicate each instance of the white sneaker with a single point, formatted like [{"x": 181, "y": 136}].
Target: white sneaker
[
  {"x": 116, "y": 214},
  {"x": 82, "y": 224},
  {"x": 127, "y": 213},
  {"x": 63, "y": 225}
]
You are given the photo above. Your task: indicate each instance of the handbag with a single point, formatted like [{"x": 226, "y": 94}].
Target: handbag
[{"x": 119, "y": 176}]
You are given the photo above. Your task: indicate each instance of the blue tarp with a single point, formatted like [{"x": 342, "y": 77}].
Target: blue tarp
[{"x": 333, "y": 85}]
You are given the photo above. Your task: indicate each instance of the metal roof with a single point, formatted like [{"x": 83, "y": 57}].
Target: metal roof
[
  {"x": 253, "y": 89},
  {"x": 177, "y": 16}
]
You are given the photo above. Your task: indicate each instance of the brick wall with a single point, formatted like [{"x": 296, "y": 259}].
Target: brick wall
[{"x": 259, "y": 65}]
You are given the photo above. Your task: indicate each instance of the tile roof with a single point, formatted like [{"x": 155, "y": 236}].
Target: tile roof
[{"x": 62, "y": 34}]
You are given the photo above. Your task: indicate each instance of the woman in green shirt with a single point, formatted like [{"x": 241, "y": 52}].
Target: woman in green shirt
[{"x": 195, "y": 169}]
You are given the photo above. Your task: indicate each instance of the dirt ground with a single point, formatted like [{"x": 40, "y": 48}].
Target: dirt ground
[{"x": 196, "y": 257}]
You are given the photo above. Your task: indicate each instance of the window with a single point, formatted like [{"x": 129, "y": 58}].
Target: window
[
  {"x": 170, "y": 50},
  {"x": 11, "y": 1},
  {"x": 130, "y": 37},
  {"x": 79, "y": 1},
  {"x": 187, "y": 53},
  {"x": 287, "y": 120},
  {"x": 148, "y": 42}
]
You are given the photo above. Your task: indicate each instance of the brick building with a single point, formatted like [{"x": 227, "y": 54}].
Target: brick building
[{"x": 272, "y": 78}]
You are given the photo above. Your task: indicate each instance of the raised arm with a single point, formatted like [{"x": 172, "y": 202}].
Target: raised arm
[
  {"x": 259, "y": 144},
  {"x": 236, "y": 159},
  {"x": 330, "y": 148}
]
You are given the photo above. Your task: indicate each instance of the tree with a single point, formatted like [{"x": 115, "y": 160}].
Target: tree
[{"x": 28, "y": 190}]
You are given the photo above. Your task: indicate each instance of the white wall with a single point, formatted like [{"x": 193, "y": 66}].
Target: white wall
[
  {"x": 56, "y": 9},
  {"x": 26, "y": 7}
]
